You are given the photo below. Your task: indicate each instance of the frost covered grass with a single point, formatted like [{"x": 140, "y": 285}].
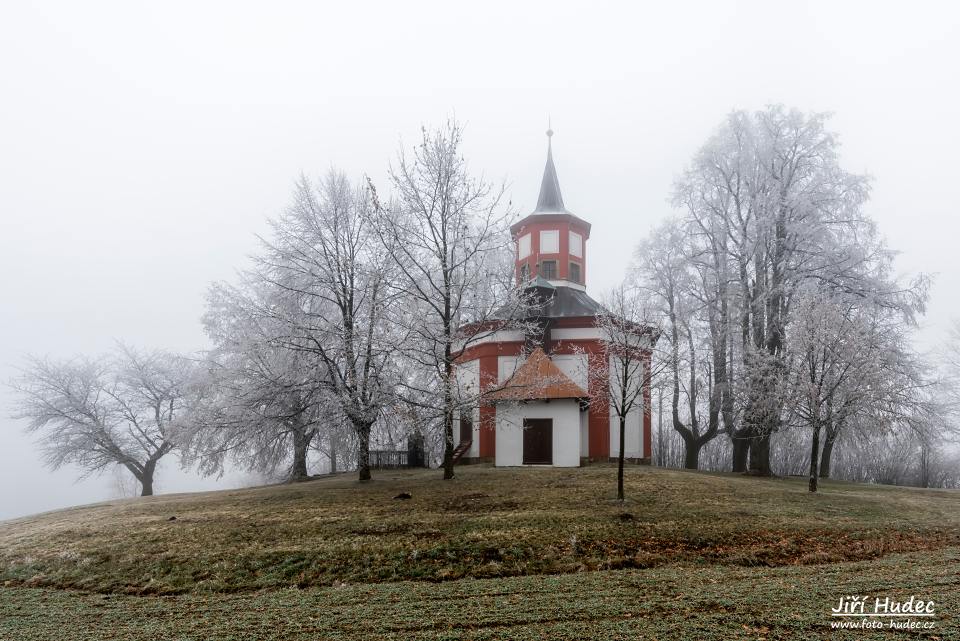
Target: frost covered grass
[
  {"x": 487, "y": 523},
  {"x": 708, "y": 603}
]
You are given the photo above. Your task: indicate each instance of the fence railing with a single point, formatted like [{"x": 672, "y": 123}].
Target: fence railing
[{"x": 389, "y": 459}]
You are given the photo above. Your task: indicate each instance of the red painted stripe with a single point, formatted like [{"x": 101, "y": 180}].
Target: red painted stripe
[{"x": 489, "y": 370}]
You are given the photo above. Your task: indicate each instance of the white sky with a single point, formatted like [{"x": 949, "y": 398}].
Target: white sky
[{"x": 142, "y": 145}]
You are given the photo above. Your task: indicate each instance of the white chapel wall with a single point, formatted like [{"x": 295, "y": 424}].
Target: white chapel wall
[
  {"x": 574, "y": 366},
  {"x": 565, "y": 414},
  {"x": 507, "y": 365}
]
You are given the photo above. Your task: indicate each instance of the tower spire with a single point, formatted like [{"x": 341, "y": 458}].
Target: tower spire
[{"x": 550, "y": 199}]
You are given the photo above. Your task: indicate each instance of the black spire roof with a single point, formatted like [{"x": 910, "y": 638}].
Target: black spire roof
[{"x": 550, "y": 199}]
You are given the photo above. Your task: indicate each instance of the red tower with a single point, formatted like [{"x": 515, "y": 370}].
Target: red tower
[{"x": 551, "y": 242}]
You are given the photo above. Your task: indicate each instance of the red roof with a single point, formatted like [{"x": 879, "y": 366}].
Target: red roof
[{"x": 538, "y": 379}]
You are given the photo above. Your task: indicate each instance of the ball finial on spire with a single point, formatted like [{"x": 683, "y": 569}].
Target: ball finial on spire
[{"x": 549, "y": 129}]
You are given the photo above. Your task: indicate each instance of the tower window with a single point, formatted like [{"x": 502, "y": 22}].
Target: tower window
[
  {"x": 550, "y": 241},
  {"x": 548, "y": 269},
  {"x": 525, "y": 272},
  {"x": 576, "y": 244},
  {"x": 575, "y": 272},
  {"x": 523, "y": 246}
]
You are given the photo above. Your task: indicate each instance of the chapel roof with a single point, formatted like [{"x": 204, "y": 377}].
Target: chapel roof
[
  {"x": 550, "y": 205},
  {"x": 550, "y": 199},
  {"x": 559, "y": 301},
  {"x": 538, "y": 379}
]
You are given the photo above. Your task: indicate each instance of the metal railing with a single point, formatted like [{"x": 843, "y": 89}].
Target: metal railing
[{"x": 389, "y": 459}]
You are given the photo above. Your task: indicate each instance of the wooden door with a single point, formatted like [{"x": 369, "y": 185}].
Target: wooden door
[{"x": 538, "y": 441}]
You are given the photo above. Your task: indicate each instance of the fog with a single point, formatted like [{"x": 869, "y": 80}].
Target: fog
[{"x": 142, "y": 146}]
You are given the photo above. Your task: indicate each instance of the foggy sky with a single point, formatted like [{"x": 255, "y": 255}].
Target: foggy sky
[{"x": 142, "y": 146}]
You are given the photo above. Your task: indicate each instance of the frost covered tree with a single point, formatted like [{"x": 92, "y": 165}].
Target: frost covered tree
[
  {"x": 767, "y": 221},
  {"x": 256, "y": 404},
  {"x": 665, "y": 272},
  {"x": 847, "y": 361},
  {"x": 445, "y": 231},
  {"x": 327, "y": 259},
  {"x": 771, "y": 210},
  {"x": 118, "y": 409},
  {"x": 304, "y": 343}
]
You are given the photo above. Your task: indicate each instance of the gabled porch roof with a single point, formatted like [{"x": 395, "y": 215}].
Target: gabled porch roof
[{"x": 538, "y": 379}]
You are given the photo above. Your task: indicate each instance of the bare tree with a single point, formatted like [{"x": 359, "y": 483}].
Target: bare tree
[
  {"x": 326, "y": 257},
  {"x": 837, "y": 361},
  {"x": 445, "y": 232},
  {"x": 256, "y": 404},
  {"x": 768, "y": 209},
  {"x": 629, "y": 335},
  {"x": 664, "y": 271},
  {"x": 97, "y": 412}
]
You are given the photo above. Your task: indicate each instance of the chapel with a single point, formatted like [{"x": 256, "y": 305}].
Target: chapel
[{"x": 544, "y": 398}]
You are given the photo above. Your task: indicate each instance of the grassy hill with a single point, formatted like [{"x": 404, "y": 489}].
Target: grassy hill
[{"x": 692, "y": 553}]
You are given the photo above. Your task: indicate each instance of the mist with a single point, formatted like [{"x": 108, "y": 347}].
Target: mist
[{"x": 143, "y": 147}]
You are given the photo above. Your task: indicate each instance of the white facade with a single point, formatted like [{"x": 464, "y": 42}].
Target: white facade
[
  {"x": 633, "y": 434},
  {"x": 584, "y": 434},
  {"x": 507, "y": 366},
  {"x": 576, "y": 244},
  {"x": 523, "y": 246},
  {"x": 550, "y": 241},
  {"x": 567, "y": 430},
  {"x": 570, "y": 431},
  {"x": 574, "y": 367}
]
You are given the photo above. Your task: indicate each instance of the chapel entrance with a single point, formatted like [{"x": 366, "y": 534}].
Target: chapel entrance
[{"x": 538, "y": 441}]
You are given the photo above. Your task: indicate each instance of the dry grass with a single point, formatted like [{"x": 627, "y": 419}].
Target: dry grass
[
  {"x": 676, "y": 602},
  {"x": 487, "y": 523}
]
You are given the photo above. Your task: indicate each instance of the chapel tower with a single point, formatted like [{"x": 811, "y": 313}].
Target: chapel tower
[{"x": 551, "y": 242}]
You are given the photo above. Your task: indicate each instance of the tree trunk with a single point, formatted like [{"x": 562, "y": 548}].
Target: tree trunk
[
  {"x": 691, "y": 458},
  {"x": 924, "y": 464},
  {"x": 688, "y": 434},
  {"x": 661, "y": 445},
  {"x": 363, "y": 458},
  {"x": 333, "y": 453},
  {"x": 146, "y": 478},
  {"x": 814, "y": 457},
  {"x": 760, "y": 455},
  {"x": 623, "y": 435},
  {"x": 825, "y": 457},
  {"x": 298, "y": 471},
  {"x": 448, "y": 445}
]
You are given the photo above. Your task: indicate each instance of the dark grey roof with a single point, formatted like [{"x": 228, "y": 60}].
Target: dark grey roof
[
  {"x": 560, "y": 302},
  {"x": 569, "y": 302},
  {"x": 539, "y": 281},
  {"x": 550, "y": 199}
]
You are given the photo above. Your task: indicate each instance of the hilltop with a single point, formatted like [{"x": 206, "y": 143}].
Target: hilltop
[{"x": 554, "y": 531}]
